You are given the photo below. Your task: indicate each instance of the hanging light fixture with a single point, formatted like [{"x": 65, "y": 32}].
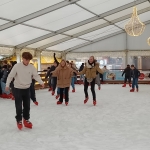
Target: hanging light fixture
[
  {"x": 148, "y": 41},
  {"x": 134, "y": 27}
]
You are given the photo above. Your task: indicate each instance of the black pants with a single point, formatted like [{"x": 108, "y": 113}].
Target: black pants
[
  {"x": 127, "y": 78},
  {"x": 49, "y": 82},
  {"x": 86, "y": 84},
  {"x": 66, "y": 94},
  {"x": 101, "y": 76},
  {"x": 32, "y": 91},
  {"x": 54, "y": 83},
  {"x": 22, "y": 95}
]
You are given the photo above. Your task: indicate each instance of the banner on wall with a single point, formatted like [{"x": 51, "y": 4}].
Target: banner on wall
[{"x": 117, "y": 76}]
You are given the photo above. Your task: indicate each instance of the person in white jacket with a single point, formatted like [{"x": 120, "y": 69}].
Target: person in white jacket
[{"x": 22, "y": 74}]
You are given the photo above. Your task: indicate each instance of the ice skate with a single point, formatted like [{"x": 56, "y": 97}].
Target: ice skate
[
  {"x": 66, "y": 103},
  {"x": 27, "y": 124},
  {"x": 53, "y": 92},
  {"x": 36, "y": 103},
  {"x": 132, "y": 90},
  {"x": 124, "y": 85},
  {"x": 137, "y": 89},
  {"x": 129, "y": 85},
  {"x": 50, "y": 89},
  {"x": 57, "y": 96},
  {"x": 73, "y": 90},
  {"x": 19, "y": 125},
  {"x": 94, "y": 102},
  {"x": 59, "y": 103},
  {"x": 86, "y": 99},
  {"x": 99, "y": 88}
]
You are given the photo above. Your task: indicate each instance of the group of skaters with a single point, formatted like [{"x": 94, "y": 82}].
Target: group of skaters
[
  {"x": 20, "y": 77},
  {"x": 131, "y": 72},
  {"x": 60, "y": 75}
]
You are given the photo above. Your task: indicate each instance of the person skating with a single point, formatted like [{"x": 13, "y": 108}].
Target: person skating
[
  {"x": 127, "y": 73},
  {"x": 90, "y": 70},
  {"x": 135, "y": 73},
  {"x": 63, "y": 74},
  {"x": 5, "y": 94},
  {"x": 98, "y": 78},
  {"x": 22, "y": 74},
  {"x": 81, "y": 76}
]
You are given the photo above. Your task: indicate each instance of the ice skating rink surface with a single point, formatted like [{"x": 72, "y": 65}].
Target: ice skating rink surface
[{"x": 120, "y": 121}]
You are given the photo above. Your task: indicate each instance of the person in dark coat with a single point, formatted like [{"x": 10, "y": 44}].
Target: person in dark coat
[
  {"x": 49, "y": 74},
  {"x": 81, "y": 76},
  {"x": 127, "y": 73},
  {"x": 5, "y": 73},
  {"x": 135, "y": 73}
]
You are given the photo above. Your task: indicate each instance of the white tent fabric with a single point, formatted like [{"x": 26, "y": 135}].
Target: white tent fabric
[{"x": 60, "y": 25}]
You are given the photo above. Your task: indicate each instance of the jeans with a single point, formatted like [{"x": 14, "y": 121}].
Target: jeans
[
  {"x": 72, "y": 82},
  {"x": 127, "y": 78},
  {"x": 22, "y": 95},
  {"x": 3, "y": 85},
  {"x": 135, "y": 83}
]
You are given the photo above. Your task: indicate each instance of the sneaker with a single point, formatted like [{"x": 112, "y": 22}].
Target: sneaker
[
  {"x": 59, "y": 103},
  {"x": 27, "y": 124},
  {"x": 86, "y": 99},
  {"x": 36, "y": 103},
  {"x": 19, "y": 125},
  {"x": 94, "y": 102}
]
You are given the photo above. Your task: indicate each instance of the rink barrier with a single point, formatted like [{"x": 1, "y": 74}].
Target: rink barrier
[{"x": 113, "y": 76}]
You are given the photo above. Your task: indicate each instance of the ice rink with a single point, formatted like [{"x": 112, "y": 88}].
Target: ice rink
[{"x": 120, "y": 121}]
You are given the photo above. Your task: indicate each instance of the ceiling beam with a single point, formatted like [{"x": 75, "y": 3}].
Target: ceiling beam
[
  {"x": 92, "y": 29},
  {"x": 98, "y": 16},
  {"x": 99, "y": 39},
  {"x": 37, "y": 14},
  {"x": 81, "y": 23}
]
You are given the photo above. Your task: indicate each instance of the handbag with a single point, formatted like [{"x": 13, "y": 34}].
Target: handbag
[{"x": 89, "y": 80}]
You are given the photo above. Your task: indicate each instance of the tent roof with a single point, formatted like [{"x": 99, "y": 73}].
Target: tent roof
[{"x": 64, "y": 24}]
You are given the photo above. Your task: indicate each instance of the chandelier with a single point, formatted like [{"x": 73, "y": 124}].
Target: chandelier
[
  {"x": 134, "y": 27},
  {"x": 148, "y": 41}
]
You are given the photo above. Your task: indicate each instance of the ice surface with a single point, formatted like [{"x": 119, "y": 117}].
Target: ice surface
[{"x": 120, "y": 121}]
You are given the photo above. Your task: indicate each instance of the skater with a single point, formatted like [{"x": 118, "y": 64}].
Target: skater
[
  {"x": 135, "y": 73},
  {"x": 5, "y": 73},
  {"x": 73, "y": 78},
  {"x": 63, "y": 74},
  {"x": 81, "y": 76},
  {"x": 32, "y": 92},
  {"x": 98, "y": 78},
  {"x": 12, "y": 82},
  {"x": 22, "y": 74},
  {"x": 90, "y": 70},
  {"x": 127, "y": 73}
]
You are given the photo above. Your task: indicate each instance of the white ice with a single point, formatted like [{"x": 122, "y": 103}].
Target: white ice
[{"x": 120, "y": 121}]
